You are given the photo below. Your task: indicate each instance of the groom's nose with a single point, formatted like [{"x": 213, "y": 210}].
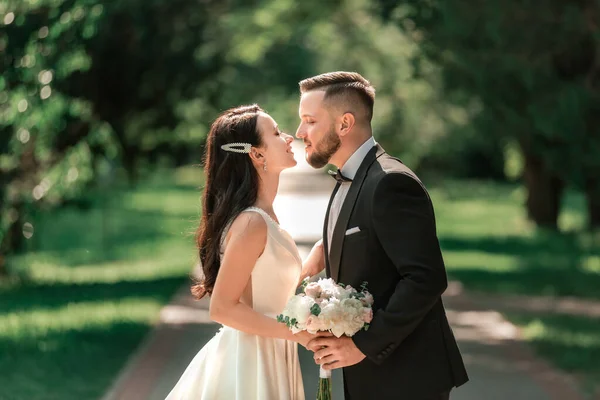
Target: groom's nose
[{"x": 300, "y": 134}]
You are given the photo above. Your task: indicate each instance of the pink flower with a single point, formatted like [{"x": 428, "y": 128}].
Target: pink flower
[
  {"x": 367, "y": 315},
  {"x": 368, "y": 299},
  {"x": 313, "y": 290}
]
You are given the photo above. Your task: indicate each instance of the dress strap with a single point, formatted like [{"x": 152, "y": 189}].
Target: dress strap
[
  {"x": 263, "y": 213},
  {"x": 258, "y": 210}
]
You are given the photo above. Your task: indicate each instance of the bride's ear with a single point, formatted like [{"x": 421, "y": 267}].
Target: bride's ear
[{"x": 256, "y": 155}]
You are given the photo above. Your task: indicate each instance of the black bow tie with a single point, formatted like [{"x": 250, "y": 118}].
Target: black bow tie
[{"x": 339, "y": 177}]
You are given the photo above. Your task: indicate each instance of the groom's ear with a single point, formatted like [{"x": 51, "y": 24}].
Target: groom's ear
[{"x": 346, "y": 123}]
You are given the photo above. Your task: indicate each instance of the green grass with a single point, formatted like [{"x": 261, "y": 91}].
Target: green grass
[
  {"x": 91, "y": 285},
  {"x": 93, "y": 280},
  {"x": 490, "y": 246},
  {"x": 572, "y": 343}
]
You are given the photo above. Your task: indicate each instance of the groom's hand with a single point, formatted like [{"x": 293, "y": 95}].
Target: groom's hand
[{"x": 332, "y": 352}]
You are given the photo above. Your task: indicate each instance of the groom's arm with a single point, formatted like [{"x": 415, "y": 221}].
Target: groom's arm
[
  {"x": 314, "y": 263},
  {"x": 404, "y": 223}
]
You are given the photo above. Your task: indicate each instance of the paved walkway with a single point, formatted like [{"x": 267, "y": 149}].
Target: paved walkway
[{"x": 500, "y": 366}]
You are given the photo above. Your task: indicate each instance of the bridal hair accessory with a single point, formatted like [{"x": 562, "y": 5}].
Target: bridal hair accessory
[{"x": 237, "y": 147}]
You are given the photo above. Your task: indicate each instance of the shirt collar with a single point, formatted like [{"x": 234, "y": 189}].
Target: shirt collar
[{"x": 351, "y": 166}]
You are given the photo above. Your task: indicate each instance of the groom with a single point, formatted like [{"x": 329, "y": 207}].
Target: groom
[{"x": 379, "y": 228}]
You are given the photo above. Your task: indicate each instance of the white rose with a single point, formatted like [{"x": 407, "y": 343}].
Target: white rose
[
  {"x": 338, "y": 330},
  {"x": 314, "y": 324},
  {"x": 298, "y": 307},
  {"x": 331, "y": 289},
  {"x": 352, "y": 303},
  {"x": 352, "y": 328},
  {"x": 326, "y": 283},
  {"x": 303, "y": 309},
  {"x": 330, "y": 313}
]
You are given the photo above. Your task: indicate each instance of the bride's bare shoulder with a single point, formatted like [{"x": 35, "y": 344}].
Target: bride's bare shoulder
[{"x": 249, "y": 226}]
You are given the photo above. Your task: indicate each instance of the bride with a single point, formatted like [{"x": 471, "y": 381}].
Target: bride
[{"x": 251, "y": 266}]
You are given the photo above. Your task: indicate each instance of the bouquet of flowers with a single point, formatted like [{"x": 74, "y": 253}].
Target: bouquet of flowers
[{"x": 328, "y": 306}]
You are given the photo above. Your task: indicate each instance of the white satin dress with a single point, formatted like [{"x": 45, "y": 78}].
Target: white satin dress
[{"x": 235, "y": 365}]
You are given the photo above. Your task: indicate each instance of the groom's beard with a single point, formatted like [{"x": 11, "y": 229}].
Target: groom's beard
[{"x": 324, "y": 150}]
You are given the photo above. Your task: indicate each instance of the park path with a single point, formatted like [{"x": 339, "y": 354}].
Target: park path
[{"x": 500, "y": 365}]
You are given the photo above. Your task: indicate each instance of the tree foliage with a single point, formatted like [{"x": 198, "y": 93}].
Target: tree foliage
[{"x": 533, "y": 75}]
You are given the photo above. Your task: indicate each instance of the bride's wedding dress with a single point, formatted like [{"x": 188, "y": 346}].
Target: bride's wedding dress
[{"x": 237, "y": 366}]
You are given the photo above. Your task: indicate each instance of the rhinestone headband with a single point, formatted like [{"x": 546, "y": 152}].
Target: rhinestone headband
[{"x": 237, "y": 147}]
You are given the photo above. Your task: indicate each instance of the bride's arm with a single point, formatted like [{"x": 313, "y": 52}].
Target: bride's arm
[
  {"x": 314, "y": 263},
  {"x": 246, "y": 242}
]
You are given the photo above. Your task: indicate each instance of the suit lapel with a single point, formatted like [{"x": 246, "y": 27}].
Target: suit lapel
[
  {"x": 325, "y": 226},
  {"x": 341, "y": 225}
]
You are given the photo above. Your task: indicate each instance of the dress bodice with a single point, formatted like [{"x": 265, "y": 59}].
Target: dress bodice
[{"x": 276, "y": 273}]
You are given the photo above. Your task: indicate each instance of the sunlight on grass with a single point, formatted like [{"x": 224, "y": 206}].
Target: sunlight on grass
[
  {"x": 107, "y": 273},
  {"x": 170, "y": 259},
  {"x": 77, "y": 317},
  {"x": 538, "y": 330},
  {"x": 91, "y": 284},
  {"x": 456, "y": 260},
  {"x": 489, "y": 246},
  {"x": 95, "y": 277},
  {"x": 592, "y": 264},
  {"x": 170, "y": 203},
  {"x": 572, "y": 343},
  {"x": 571, "y": 217},
  {"x": 471, "y": 210}
]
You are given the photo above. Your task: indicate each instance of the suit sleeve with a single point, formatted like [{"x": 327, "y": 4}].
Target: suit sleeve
[{"x": 404, "y": 223}]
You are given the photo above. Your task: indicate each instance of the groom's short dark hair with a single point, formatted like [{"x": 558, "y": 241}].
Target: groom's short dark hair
[{"x": 347, "y": 86}]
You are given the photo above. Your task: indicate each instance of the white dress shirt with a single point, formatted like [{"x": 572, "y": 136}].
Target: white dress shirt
[{"x": 349, "y": 170}]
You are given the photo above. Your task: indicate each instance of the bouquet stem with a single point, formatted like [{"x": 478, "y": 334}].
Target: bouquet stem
[{"x": 324, "y": 392}]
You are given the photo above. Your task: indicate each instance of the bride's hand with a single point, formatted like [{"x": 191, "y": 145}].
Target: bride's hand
[{"x": 303, "y": 337}]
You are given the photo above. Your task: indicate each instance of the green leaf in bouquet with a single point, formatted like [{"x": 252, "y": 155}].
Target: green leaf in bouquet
[
  {"x": 315, "y": 310},
  {"x": 366, "y": 327},
  {"x": 357, "y": 295},
  {"x": 280, "y": 318},
  {"x": 304, "y": 283}
]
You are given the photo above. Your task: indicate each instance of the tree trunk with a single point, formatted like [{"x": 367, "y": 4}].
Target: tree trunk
[
  {"x": 592, "y": 194},
  {"x": 130, "y": 162},
  {"x": 130, "y": 153},
  {"x": 544, "y": 192},
  {"x": 11, "y": 242},
  {"x": 3, "y": 187}
]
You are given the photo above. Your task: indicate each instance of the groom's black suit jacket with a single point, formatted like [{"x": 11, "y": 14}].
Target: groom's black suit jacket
[{"x": 410, "y": 348}]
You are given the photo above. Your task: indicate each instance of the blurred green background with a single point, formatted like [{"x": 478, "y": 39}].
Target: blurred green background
[{"x": 105, "y": 105}]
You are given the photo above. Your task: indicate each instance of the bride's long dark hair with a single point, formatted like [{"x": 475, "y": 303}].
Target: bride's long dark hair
[{"x": 231, "y": 186}]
